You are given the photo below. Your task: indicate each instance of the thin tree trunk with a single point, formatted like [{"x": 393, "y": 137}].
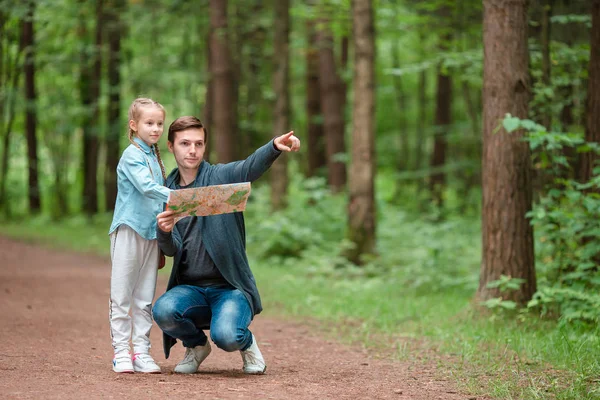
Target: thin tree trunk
[
  {"x": 28, "y": 46},
  {"x": 13, "y": 73},
  {"x": 507, "y": 235},
  {"x": 361, "y": 206},
  {"x": 592, "y": 126},
  {"x": 90, "y": 93},
  {"x": 403, "y": 160},
  {"x": 443, "y": 117},
  {"x": 256, "y": 62},
  {"x": 209, "y": 101},
  {"x": 114, "y": 102},
  {"x": 546, "y": 63},
  {"x": 472, "y": 146},
  {"x": 316, "y": 146},
  {"x": 421, "y": 118},
  {"x": 223, "y": 79},
  {"x": 279, "y": 169},
  {"x": 332, "y": 103}
]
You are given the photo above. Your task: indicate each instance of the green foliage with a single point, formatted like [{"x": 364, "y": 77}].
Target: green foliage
[{"x": 567, "y": 227}]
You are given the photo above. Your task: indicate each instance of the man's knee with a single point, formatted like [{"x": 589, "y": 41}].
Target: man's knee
[
  {"x": 228, "y": 338},
  {"x": 164, "y": 312}
]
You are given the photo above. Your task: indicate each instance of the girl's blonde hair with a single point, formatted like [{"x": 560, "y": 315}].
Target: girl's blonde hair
[{"x": 134, "y": 114}]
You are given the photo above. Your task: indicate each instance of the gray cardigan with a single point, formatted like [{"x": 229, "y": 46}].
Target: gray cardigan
[{"x": 224, "y": 235}]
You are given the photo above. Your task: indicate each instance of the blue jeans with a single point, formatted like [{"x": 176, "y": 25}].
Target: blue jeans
[{"x": 185, "y": 311}]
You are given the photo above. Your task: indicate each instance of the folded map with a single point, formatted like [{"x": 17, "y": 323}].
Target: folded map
[{"x": 209, "y": 200}]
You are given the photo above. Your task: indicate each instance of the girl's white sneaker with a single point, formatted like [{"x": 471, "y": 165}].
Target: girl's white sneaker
[
  {"x": 122, "y": 363},
  {"x": 143, "y": 362}
]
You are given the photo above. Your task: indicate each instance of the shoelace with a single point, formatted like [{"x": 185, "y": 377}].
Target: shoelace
[
  {"x": 189, "y": 356},
  {"x": 249, "y": 357}
]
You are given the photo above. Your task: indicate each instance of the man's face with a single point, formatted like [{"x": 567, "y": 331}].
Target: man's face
[{"x": 188, "y": 148}]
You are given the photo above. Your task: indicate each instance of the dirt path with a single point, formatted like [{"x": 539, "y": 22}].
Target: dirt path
[{"x": 55, "y": 344}]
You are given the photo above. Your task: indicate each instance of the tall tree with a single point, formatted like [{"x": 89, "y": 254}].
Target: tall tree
[
  {"x": 91, "y": 69},
  {"x": 114, "y": 30},
  {"x": 279, "y": 170},
  {"x": 28, "y": 47},
  {"x": 507, "y": 234},
  {"x": 224, "y": 107},
  {"x": 443, "y": 117},
  {"x": 361, "y": 205},
  {"x": 209, "y": 101},
  {"x": 315, "y": 132},
  {"x": 592, "y": 126},
  {"x": 10, "y": 72},
  {"x": 332, "y": 105},
  {"x": 546, "y": 62}
]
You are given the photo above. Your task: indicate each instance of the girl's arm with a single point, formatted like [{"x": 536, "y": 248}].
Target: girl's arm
[{"x": 137, "y": 171}]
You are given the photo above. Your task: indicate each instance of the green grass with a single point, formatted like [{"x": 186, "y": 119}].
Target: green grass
[{"x": 419, "y": 306}]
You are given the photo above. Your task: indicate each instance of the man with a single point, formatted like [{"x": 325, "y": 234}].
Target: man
[{"x": 211, "y": 285}]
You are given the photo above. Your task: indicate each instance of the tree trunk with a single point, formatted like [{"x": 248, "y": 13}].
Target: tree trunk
[
  {"x": 10, "y": 75},
  {"x": 256, "y": 68},
  {"x": 209, "y": 101},
  {"x": 332, "y": 104},
  {"x": 28, "y": 47},
  {"x": 546, "y": 63},
  {"x": 592, "y": 126},
  {"x": 507, "y": 235},
  {"x": 443, "y": 115},
  {"x": 224, "y": 113},
  {"x": 403, "y": 161},
  {"x": 316, "y": 146},
  {"x": 421, "y": 133},
  {"x": 90, "y": 94},
  {"x": 279, "y": 169},
  {"x": 113, "y": 19},
  {"x": 361, "y": 205}
]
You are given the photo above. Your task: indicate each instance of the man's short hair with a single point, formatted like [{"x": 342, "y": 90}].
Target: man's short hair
[{"x": 183, "y": 123}]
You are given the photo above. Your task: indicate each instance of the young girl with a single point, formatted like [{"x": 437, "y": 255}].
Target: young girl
[{"x": 133, "y": 246}]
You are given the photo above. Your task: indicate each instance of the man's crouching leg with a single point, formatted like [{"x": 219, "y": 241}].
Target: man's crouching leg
[{"x": 229, "y": 330}]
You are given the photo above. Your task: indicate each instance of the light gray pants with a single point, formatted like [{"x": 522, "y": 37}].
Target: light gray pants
[{"x": 132, "y": 287}]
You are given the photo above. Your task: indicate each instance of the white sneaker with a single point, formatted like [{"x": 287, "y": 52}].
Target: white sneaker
[
  {"x": 143, "y": 362},
  {"x": 122, "y": 363},
  {"x": 193, "y": 358},
  {"x": 254, "y": 363}
]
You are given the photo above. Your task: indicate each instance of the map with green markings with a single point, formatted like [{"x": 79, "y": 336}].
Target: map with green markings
[{"x": 209, "y": 200}]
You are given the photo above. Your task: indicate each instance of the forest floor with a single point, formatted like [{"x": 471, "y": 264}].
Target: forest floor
[{"x": 56, "y": 345}]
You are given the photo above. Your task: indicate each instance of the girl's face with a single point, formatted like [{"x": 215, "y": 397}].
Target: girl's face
[{"x": 150, "y": 124}]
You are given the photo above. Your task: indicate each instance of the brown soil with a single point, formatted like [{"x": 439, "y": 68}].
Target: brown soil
[{"x": 55, "y": 344}]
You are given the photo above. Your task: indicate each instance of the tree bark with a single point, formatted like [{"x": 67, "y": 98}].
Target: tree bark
[
  {"x": 113, "y": 19},
  {"x": 421, "y": 133},
  {"x": 209, "y": 105},
  {"x": 332, "y": 104},
  {"x": 279, "y": 169},
  {"x": 592, "y": 126},
  {"x": 361, "y": 205},
  {"x": 546, "y": 62},
  {"x": 11, "y": 74},
  {"x": 443, "y": 115},
  {"x": 507, "y": 235},
  {"x": 316, "y": 146},
  {"x": 223, "y": 133},
  {"x": 90, "y": 94},
  {"x": 28, "y": 47}
]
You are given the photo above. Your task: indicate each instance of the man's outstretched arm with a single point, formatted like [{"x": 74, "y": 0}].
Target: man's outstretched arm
[
  {"x": 169, "y": 240},
  {"x": 258, "y": 162}
]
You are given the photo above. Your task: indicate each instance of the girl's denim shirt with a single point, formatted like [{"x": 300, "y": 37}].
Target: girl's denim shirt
[{"x": 140, "y": 191}]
